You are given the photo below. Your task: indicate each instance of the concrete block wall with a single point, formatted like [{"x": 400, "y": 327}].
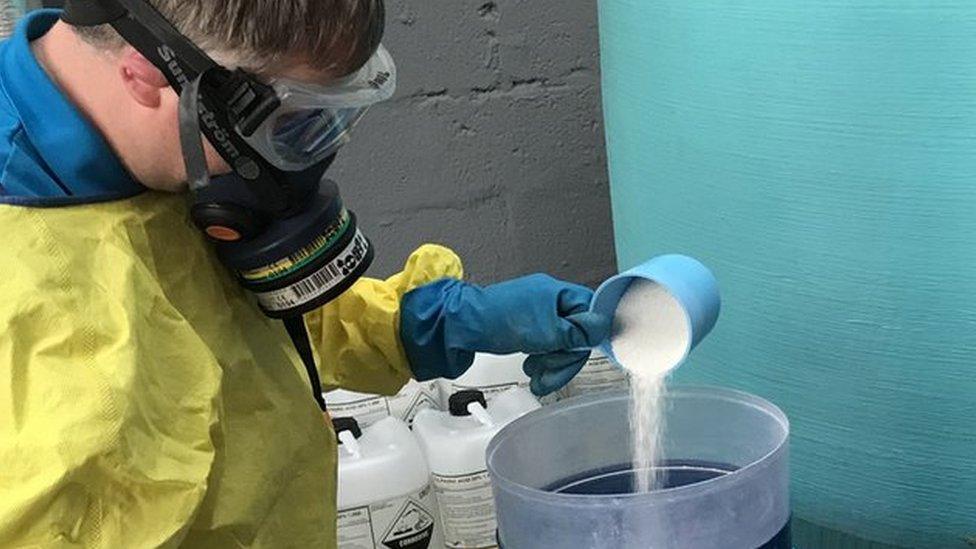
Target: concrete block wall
[{"x": 493, "y": 144}]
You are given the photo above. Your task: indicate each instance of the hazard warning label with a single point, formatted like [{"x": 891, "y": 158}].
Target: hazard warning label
[
  {"x": 413, "y": 399},
  {"x": 467, "y": 510},
  {"x": 399, "y": 523},
  {"x": 412, "y": 529}
]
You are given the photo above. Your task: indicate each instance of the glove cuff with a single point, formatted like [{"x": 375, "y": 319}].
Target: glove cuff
[{"x": 424, "y": 325}]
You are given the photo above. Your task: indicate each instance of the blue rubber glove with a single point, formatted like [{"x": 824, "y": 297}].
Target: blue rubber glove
[{"x": 443, "y": 324}]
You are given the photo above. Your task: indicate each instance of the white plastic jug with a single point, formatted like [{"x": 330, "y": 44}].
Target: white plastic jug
[
  {"x": 490, "y": 374},
  {"x": 385, "y": 495},
  {"x": 368, "y": 409},
  {"x": 599, "y": 375},
  {"x": 454, "y": 443}
]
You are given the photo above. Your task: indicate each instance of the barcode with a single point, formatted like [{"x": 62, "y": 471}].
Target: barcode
[
  {"x": 322, "y": 281},
  {"x": 312, "y": 286}
]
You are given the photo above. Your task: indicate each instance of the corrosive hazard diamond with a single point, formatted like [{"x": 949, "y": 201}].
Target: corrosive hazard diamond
[{"x": 412, "y": 529}]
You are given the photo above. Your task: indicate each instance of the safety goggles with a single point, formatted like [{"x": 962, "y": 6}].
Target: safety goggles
[{"x": 312, "y": 122}]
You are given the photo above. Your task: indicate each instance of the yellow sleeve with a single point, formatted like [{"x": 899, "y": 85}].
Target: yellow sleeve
[{"x": 357, "y": 336}]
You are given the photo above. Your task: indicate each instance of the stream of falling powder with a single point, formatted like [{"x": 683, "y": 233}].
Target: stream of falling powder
[
  {"x": 650, "y": 337},
  {"x": 646, "y": 427}
]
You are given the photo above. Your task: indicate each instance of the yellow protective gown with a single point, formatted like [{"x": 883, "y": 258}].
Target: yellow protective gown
[{"x": 147, "y": 402}]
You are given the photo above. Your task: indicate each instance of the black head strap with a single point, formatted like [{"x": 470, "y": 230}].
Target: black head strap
[
  {"x": 182, "y": 62},
  {"x": 89, "y": 13}
]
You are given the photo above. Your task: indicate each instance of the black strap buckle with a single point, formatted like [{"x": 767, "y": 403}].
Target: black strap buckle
[{"x": 249, "y": 102}]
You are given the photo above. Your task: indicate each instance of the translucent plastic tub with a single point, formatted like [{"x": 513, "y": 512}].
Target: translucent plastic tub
[{"x": 561, "y": 476}]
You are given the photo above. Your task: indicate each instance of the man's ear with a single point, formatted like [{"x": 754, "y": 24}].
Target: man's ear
[{"x": 144, "y": 82}]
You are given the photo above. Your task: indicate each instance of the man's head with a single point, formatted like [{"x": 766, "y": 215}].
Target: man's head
[{"x": 129, "y": 100}]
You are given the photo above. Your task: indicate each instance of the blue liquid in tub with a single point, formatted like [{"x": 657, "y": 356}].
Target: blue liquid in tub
[{"x": 620, "y": 480}]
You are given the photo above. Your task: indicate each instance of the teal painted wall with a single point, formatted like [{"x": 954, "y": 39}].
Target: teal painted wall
[{"x": 820, "y": 156}]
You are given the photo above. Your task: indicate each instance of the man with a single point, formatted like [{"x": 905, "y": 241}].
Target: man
[{"x": 146, "y": 400}]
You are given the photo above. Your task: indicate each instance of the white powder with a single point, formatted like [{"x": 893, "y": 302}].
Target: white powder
[{"x": 650, "y": 337}]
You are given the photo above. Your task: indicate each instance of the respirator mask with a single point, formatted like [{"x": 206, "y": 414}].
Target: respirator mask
[{"x": 276, "y": 223}]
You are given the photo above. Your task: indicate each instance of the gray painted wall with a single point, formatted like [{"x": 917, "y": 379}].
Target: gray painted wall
[{"x": 493, "y": 144}]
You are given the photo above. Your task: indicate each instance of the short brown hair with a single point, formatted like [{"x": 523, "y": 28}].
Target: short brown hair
[{"x": 336, "y": 36}]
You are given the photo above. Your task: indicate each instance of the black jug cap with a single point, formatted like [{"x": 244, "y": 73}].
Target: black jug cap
[
  {"x": 458, "y": 403},
  {"x": 350, "y": 424}
]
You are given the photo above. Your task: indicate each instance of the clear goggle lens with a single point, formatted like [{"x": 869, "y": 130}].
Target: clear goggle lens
[
  {"x": 313, "y": 122},
  {"x": 310, "y": 135}
]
